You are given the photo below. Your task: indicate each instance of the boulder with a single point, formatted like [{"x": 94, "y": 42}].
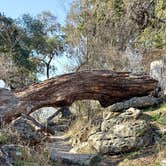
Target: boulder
[
  {"x": 158, "y": 72},
  {"x": 27, "y": 131},
  {"x": 121, "y": 133},
  {"x": 43, "y": 114},
  {"x": 136, "y": 102}
]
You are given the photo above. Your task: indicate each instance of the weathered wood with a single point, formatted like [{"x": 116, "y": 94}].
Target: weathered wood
[{"x": 105, "y": 86}]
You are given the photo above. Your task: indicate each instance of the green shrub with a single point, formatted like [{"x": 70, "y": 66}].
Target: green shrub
[
  {"x": 155, "y": 116},
  {"x": 19, "y": 163},
  {"x": 163, "y": 105},
  {"x": 4, "y": 138},
  {"x": 162, "y": 119}
]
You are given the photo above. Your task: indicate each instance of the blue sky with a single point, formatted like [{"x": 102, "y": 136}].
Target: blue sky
[
  {"x": 15, "y": 8},
  {"x": 60, "y": 8}
]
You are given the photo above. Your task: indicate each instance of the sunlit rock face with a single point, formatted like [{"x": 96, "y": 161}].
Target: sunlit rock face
[
  {"x": 135, "y": 60},
  {"x": 121, "y": 133},
  {"x": 118, "y": 133},
  {"x": 43, "y": 114},
  {"x": 158, "y": 72}
]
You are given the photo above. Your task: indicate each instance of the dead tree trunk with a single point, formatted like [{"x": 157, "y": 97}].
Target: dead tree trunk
[{"x": 105, "y": 86}]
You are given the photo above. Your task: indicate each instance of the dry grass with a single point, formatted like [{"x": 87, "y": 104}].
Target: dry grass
[
  {"x": 77, "y": 126},
  {"x": 78, "y": 134},
  {"x": 158, "y": 117},
  {"x": 31, "y": 155},
  {"x": 152, "y": 159},
  {"x": 32, "y": 158},
  {"x": 145, "y": 156}
]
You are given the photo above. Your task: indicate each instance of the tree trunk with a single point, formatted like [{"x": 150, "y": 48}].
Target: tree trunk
[
  {"x": 48, "y": 71},
  {"x": 105, "y": 86}
]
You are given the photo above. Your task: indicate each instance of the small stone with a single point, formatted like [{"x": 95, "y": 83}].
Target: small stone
[{"x": 27, "y": 131}]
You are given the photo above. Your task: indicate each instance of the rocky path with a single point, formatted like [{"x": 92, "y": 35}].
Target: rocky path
[{"x": 59, "y": 149}]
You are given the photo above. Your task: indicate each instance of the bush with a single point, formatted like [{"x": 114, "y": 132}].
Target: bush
[{"x": 4, "y": 138}]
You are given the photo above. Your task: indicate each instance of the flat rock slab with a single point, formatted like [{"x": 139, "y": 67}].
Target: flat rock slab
[
  {"x": 136, "y": 102},
  {"x": 59, "y": 151}
]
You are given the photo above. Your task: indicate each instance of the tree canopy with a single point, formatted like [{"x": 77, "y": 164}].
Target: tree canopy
[
  {"x": 17, "y": 66},
  {"x": 28, "y": 46},
  {"x": 109, "y": 27},
  {"x": 98, "y": 34}
]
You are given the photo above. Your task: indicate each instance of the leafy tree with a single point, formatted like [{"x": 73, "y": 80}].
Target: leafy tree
[
  {"x": 28, "y": 45},
  {"x": 44, "y": 38},
  {"x": 154, "y": 35},
  {"x": 109, "y": 27},
  {"x": 54, "y": 40},
  {"x": 17, "y": 68}
]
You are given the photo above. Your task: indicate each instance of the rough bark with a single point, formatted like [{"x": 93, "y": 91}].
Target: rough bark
[{"x": 105, "y": 86}]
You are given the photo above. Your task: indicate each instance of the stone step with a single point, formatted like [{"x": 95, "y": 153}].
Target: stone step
[
  {"x": 60, "y": 127},
  {"x": 69, "y": 158},
  {"x": 60, "y": 151}
]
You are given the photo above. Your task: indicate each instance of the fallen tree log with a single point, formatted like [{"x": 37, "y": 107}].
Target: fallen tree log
[{"x": 105, "y": 86}]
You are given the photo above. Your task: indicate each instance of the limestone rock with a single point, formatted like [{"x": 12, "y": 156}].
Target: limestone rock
[
  {"x": 43, "y": 114},
  {"x": 111, "y": 120},
  {"x": 158, "y": 72},
  {"x": 27, "y": 131},
  {"x": 72, "y": 159},
  {"x": 136, "y": 102},
  {"x": 60, "y": 153},
  {"x": 122, "y": 133}
]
